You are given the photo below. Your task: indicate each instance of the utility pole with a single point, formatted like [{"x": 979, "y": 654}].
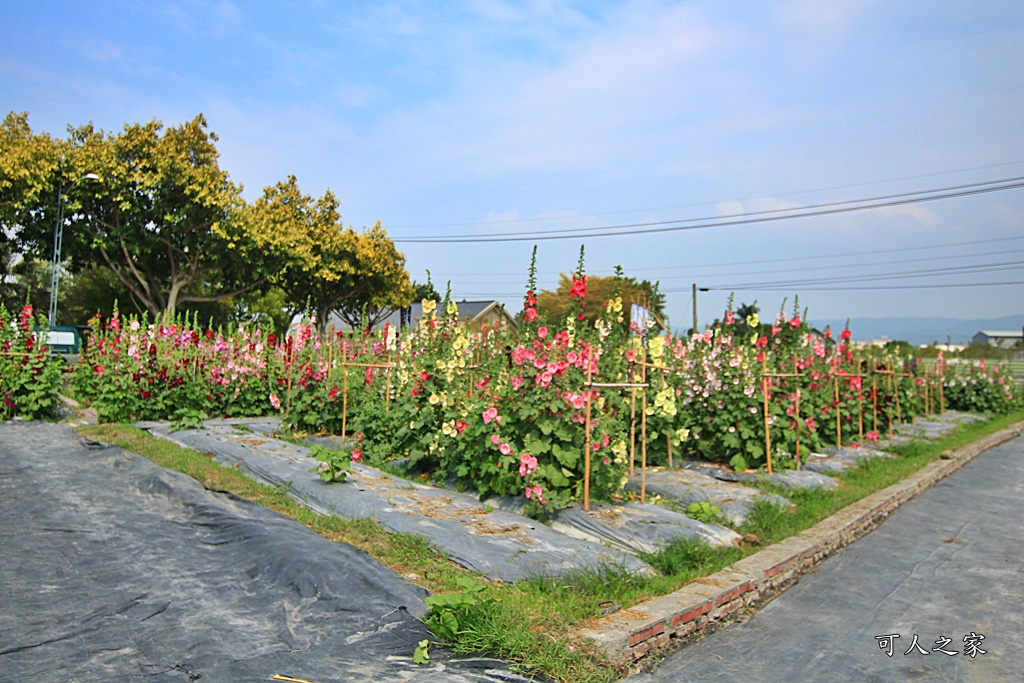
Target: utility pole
[{"x": 695, "y": 307}]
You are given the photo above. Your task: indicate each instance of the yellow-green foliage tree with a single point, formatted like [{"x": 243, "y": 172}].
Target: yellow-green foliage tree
[
  {"x": 26, "y": 163},
  {"x": 383, "y": 282},
  {"x": 554, "y": 304},
  {"x": 319, "y": 263},
  {"x": 150, "y": 203},
  {"x": 151, "y": 206}
]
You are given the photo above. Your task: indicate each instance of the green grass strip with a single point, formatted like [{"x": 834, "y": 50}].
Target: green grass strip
[{"x": 533, "y": 622}]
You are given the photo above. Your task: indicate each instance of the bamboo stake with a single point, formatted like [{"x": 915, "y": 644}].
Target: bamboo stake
[
  {"x": 874, "y": 400},
  {"x": 798, "y": 428},
  {"x": 643, "y": 432},
  {"x": 668, "y": 437},
  {"x": 941, "y": 368},
  {"x": 839, "y": 425},
  {"x": 370, "y": 365},
  {"x": 632, "y": 430},
  {"x": 767, "y": 427},
  {"x": 929, "y": 395},
  {"x": 586, "y": 454},
  {"x": 387, "y": 385},
  {"x": 344, "y": 397},
  {"x": 896, "y": 393},
  {"x": 889, "y": 385},
  {"x": 796, "y": 410},
  {"x": 765, "y": 379}
]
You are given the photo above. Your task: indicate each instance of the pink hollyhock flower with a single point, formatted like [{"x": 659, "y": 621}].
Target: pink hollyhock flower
[
  {"x": 505, "y": 449},
  {"x": 535, "y": 492},
  {"x": 275, "y": 401},
  {"x": 527, "y": 465},
  {"x": 871, "y": 436},
  {"x": 530, "y": 315},
  {"x": 490, "y": 414},
  {"x": 579, "y": 288},
  {"x": 542, "y": 332},
  {"x": 495, "y": 439}
]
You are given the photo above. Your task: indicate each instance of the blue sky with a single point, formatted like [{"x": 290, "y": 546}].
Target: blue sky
[{"x": 487, "y": 117}]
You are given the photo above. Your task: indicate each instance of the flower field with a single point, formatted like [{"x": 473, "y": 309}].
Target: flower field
[
  {"x": 552, "y": 411},
  {"x": 29, "y": 379}
]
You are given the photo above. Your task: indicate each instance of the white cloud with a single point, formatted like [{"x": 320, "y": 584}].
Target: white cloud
[
  {"x": 598, "y": 102},
  {"x": 816, "y": 17},
  {"x": 197, "y": 17},
  {"x": 919, "y": 214}
]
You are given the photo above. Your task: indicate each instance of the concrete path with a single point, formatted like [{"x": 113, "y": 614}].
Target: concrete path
[{"x": 946, "y": 565}]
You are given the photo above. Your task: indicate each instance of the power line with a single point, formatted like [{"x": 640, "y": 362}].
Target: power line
[
  {"x": 818, "y": 257},
  {"x": 785, "y": 259},
  {"x": 928, "y": 272},
  {"x": 515, "y": 278},
  {"x": 949, "y": 285},
  {"x": 831, "y": 208},
  {"x": 866, "y": 183}
]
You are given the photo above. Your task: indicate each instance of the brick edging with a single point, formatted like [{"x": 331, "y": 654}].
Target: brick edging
[{"x": 709, "y": 602}]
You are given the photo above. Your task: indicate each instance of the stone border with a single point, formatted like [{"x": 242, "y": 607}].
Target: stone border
[{"x": 671, "y": 621}]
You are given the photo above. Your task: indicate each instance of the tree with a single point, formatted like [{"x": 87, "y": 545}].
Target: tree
[
  {"x": 26, "y": 164},
  {"x": 424, "y": 291},
  {"x": 29, "y": 284},
  {"x": 160, "y": 216},
  {"x": 320, "y": 264},
  {"x": 554, "y": 304},
  {"x": 94, "y": 289},
  {"x": 382, "y": 283}
]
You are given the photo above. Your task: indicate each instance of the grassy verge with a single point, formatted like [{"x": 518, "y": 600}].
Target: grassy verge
[{"x": 532, "y": 622}]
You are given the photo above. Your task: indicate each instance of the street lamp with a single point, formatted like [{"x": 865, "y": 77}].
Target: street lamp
[{"x": 58, "y": 239}]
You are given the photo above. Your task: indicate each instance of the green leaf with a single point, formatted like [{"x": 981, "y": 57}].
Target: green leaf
[
  {"x": 555, "y": 476},
  {"x": 566, "y": 456},
  {"x": 421, "y": 655}
]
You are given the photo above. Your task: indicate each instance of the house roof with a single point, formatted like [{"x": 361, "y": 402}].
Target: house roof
[
  {"x": 1011, "y": 334},
  {"x": 474, "y": 310}
]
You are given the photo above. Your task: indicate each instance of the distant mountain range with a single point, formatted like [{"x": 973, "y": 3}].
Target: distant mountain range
[{"x": 919, "y": 331}]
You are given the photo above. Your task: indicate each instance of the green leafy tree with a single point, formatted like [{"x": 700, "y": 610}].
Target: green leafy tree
[
  {"x": 94, "y": 289},
  {"x": 425, "y": 291},
  {"x": 150, "y": 203},
  {"x": 29, "y": 283}
]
